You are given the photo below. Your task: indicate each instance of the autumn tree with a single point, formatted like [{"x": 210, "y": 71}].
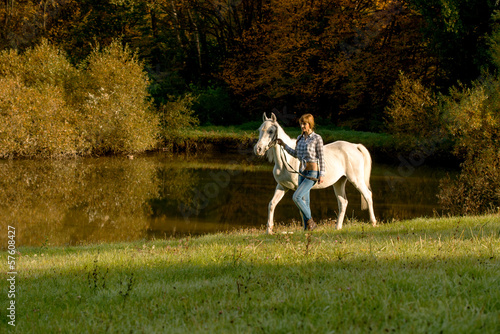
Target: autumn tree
[
  {"x": 338, "y": 59},
  {"x": 21, "y": 22}
]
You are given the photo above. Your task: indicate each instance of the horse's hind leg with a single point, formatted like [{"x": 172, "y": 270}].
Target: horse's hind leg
[
  {"x": 278, "y": 195},
  {"x": 367, "y": 195},
  {"x": 369, "y": 200},
  {"x": 339, "y": 188}
]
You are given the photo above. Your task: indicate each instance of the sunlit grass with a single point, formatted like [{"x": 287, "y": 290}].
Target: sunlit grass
[{"x": 417, "y": 276}]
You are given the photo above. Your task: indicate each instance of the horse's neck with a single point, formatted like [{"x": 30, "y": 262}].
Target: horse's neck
[
  {"x": 276, "y": 151},
  {"x": 286, "y": 138}
]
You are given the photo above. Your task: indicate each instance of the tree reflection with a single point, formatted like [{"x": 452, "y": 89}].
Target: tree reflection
[{"x": 70, "y": 202}]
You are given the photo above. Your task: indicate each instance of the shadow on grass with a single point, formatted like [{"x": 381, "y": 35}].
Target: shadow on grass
[{"x": 420, "y": 276}]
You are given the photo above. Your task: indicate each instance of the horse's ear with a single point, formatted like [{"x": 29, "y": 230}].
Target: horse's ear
[
  {"x": 273, "y": 117},
  {"x": 264, "y": 117}
]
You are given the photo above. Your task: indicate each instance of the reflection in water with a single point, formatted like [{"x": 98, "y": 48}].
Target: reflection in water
[
  {"x": 81, "y": 201},
  {"x": 76, "y": 201}
]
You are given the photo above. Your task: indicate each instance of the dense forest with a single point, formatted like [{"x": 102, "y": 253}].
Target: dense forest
[{"x": 338, "y": 59}]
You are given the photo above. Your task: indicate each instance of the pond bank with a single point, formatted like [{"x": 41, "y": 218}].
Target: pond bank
[{"x": 384, "y": 148}]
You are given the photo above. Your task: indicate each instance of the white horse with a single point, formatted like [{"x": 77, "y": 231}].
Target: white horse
[{"x": 341, "y": 159}]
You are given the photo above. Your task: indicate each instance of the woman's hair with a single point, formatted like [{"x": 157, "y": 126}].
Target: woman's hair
[{"x": 307, "y": 118}]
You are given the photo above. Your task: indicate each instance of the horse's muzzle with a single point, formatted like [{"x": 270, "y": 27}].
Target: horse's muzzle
[{"x": 259, "y": 150}]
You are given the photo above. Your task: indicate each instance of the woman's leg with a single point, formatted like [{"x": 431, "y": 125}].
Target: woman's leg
[
  {"x": 304, "y": 220},
  {"x": 301, "y": 196}
]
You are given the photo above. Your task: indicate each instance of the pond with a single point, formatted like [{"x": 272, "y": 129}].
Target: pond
[{"x": 113, "y": 199}]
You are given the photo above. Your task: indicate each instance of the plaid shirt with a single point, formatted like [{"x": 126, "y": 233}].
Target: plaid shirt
[{"x": 309, "y": 149}]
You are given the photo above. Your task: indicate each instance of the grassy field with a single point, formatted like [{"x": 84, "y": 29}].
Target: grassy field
[{"x": 417, "y": 276}]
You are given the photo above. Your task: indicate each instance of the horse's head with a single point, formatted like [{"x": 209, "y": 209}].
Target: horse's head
[{"x": 267, "y": 134}]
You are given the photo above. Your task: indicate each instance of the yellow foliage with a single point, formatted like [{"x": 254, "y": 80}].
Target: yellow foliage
[
  {"x": 413, "y": 109},
  {"x": 49, "y": 108}
]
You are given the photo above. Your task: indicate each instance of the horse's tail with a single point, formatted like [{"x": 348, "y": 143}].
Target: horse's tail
[{"x": 367, "y": 169}]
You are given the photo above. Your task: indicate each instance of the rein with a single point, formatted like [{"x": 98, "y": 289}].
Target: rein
[
  {"x": 272, "y": 143},
  {"x": 283, "y": 157}
]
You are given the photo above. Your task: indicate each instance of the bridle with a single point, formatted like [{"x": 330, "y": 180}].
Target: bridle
[
  {"x": 288, "y": 167},
  {"x": 272, "y": 143}
]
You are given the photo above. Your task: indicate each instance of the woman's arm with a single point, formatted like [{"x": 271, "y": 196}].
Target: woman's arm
[
  {"x": 287, "y": 148},
  {"x": 321, "y": 156}
]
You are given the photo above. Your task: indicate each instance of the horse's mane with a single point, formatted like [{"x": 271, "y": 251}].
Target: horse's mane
[{"x": 270, "y": 155}]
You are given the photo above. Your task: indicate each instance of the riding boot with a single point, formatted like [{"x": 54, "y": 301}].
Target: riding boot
[{"x": 310, "y": 225}]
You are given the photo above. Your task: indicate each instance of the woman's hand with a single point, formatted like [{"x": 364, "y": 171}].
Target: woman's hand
[
  {"x": 280, "y": 142},
  {"x": 321, "y": 180}
]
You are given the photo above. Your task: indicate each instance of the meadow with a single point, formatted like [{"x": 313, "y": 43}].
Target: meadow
[{"x": 427, "y": 275}]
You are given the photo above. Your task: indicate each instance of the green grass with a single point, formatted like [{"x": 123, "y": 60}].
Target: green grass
[{"x": 417, "y": 276}]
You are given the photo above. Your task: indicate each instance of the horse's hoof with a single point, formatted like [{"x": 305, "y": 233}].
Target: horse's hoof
[
  {"x": 337, "y": 227},
  {"x": 269, "y": 232}
]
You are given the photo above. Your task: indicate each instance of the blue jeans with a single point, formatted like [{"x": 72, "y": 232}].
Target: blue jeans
[{"x": 301, "y": 195}]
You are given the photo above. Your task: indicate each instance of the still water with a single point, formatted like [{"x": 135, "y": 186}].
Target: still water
[{"x": 112, "y": 199}]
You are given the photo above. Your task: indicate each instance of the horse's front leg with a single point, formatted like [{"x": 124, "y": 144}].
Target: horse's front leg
[{"x": 278, "y": 195}]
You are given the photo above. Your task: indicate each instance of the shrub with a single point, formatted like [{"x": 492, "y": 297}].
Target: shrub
[
  {"x": 472, "y": 117},
  {"x": 176, "y": 116},
  {"x": 477, "y": 189},
  {"x": 413, "y": 111},
  {"x": 469, "y": 117},
  {"x": 117, "y": 115},
  {"x": 39, "y": 66},
  {"x": 50, "y": 108},
  {"x": 35, "y": 120}
]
